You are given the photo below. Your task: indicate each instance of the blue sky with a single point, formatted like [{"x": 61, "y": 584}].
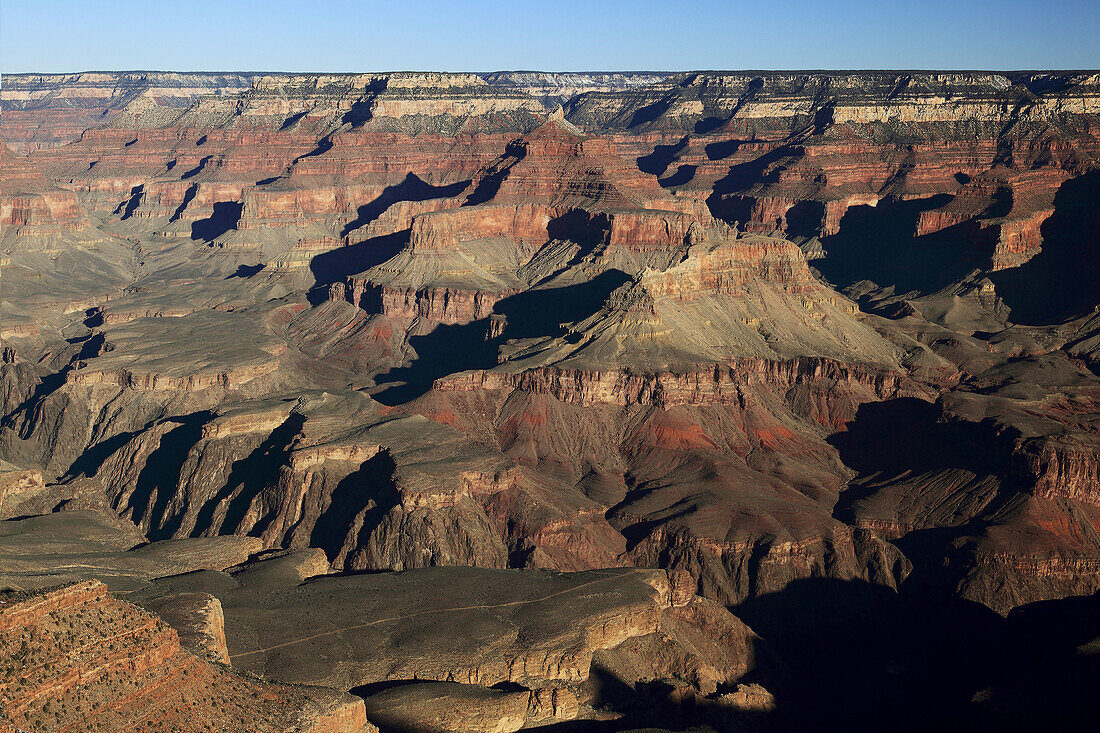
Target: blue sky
[{"x": 556, "y": 35}]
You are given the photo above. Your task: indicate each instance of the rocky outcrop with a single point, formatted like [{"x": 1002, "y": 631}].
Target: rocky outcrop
[
  {"x": 144, "y": 355},
  {"x": 79, "y": 544},
  {"x": 448, "y": 707},
  {"x": 552, "y": 184},
  {"x": 515, "y": 629},
  {"x": 199, "y": 622},
  {"x": 708, "y": 452},
  {"x": 81, "y": 658},
  {"x": 20, "y": 489},
  {"x": 544, "y": 633}
]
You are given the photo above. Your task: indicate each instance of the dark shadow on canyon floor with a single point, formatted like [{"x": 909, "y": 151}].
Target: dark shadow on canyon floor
[
  {"x": 412, "y": 188},
  {"x": 581, "y": 227},
  {"x": 226, "y": 216},
  {"x": 805, "y": 219},
  {"x": 188, "y": 197},
  {"x": 904, "y": 435},
  {"x": 657, "y": 162},
  {"x": 901, "y": 451},
  {"x": 877, "y": 243},
  {"x": 744, "y": 175},
  {"x": 134, "y": 201},
  {"x": 1063, "y": 280},
  {"x": 650, "y": 112},
  {"x": 338, "y": 264},
  {"x": 864, "y": 658},
  {"x": 450, "y": 349}
]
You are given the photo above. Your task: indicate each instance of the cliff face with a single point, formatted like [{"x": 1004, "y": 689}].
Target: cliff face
[
  {"x": 29, "y": 200},
  {"x": 794, "y": 152},
  {"x": 555, "y": 88},
  {"x": 44, "y": 110}
]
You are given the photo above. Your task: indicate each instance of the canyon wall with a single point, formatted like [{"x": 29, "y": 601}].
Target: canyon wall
[{"x": 633, "y": 330}]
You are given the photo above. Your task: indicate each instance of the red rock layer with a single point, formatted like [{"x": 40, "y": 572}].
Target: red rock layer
[
  {"x": 79, "y": 659},
  {"x": 721, "y": 384},
  {"x": 27, "y": 199}
]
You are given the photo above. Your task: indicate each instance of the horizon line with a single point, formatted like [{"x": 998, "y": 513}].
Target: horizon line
[{"x": 883, "y": 70}]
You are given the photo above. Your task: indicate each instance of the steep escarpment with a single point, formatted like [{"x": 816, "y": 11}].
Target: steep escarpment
[
  {"x": 1041, "y": 541},
  {"x": 583, "y": 278},
  {"x": 554, "y": 88},
  {"x": 44, "y": 110}
]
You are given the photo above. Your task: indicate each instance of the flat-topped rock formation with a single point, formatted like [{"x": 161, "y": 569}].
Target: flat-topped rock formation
[
  {"x": 63, "y": 547},
  {"x": 394, "y": 638},
  {"x": 323, "y": 102}
]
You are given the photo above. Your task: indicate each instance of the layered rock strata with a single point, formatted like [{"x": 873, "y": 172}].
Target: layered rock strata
[{"x": 78, "y": 658}]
